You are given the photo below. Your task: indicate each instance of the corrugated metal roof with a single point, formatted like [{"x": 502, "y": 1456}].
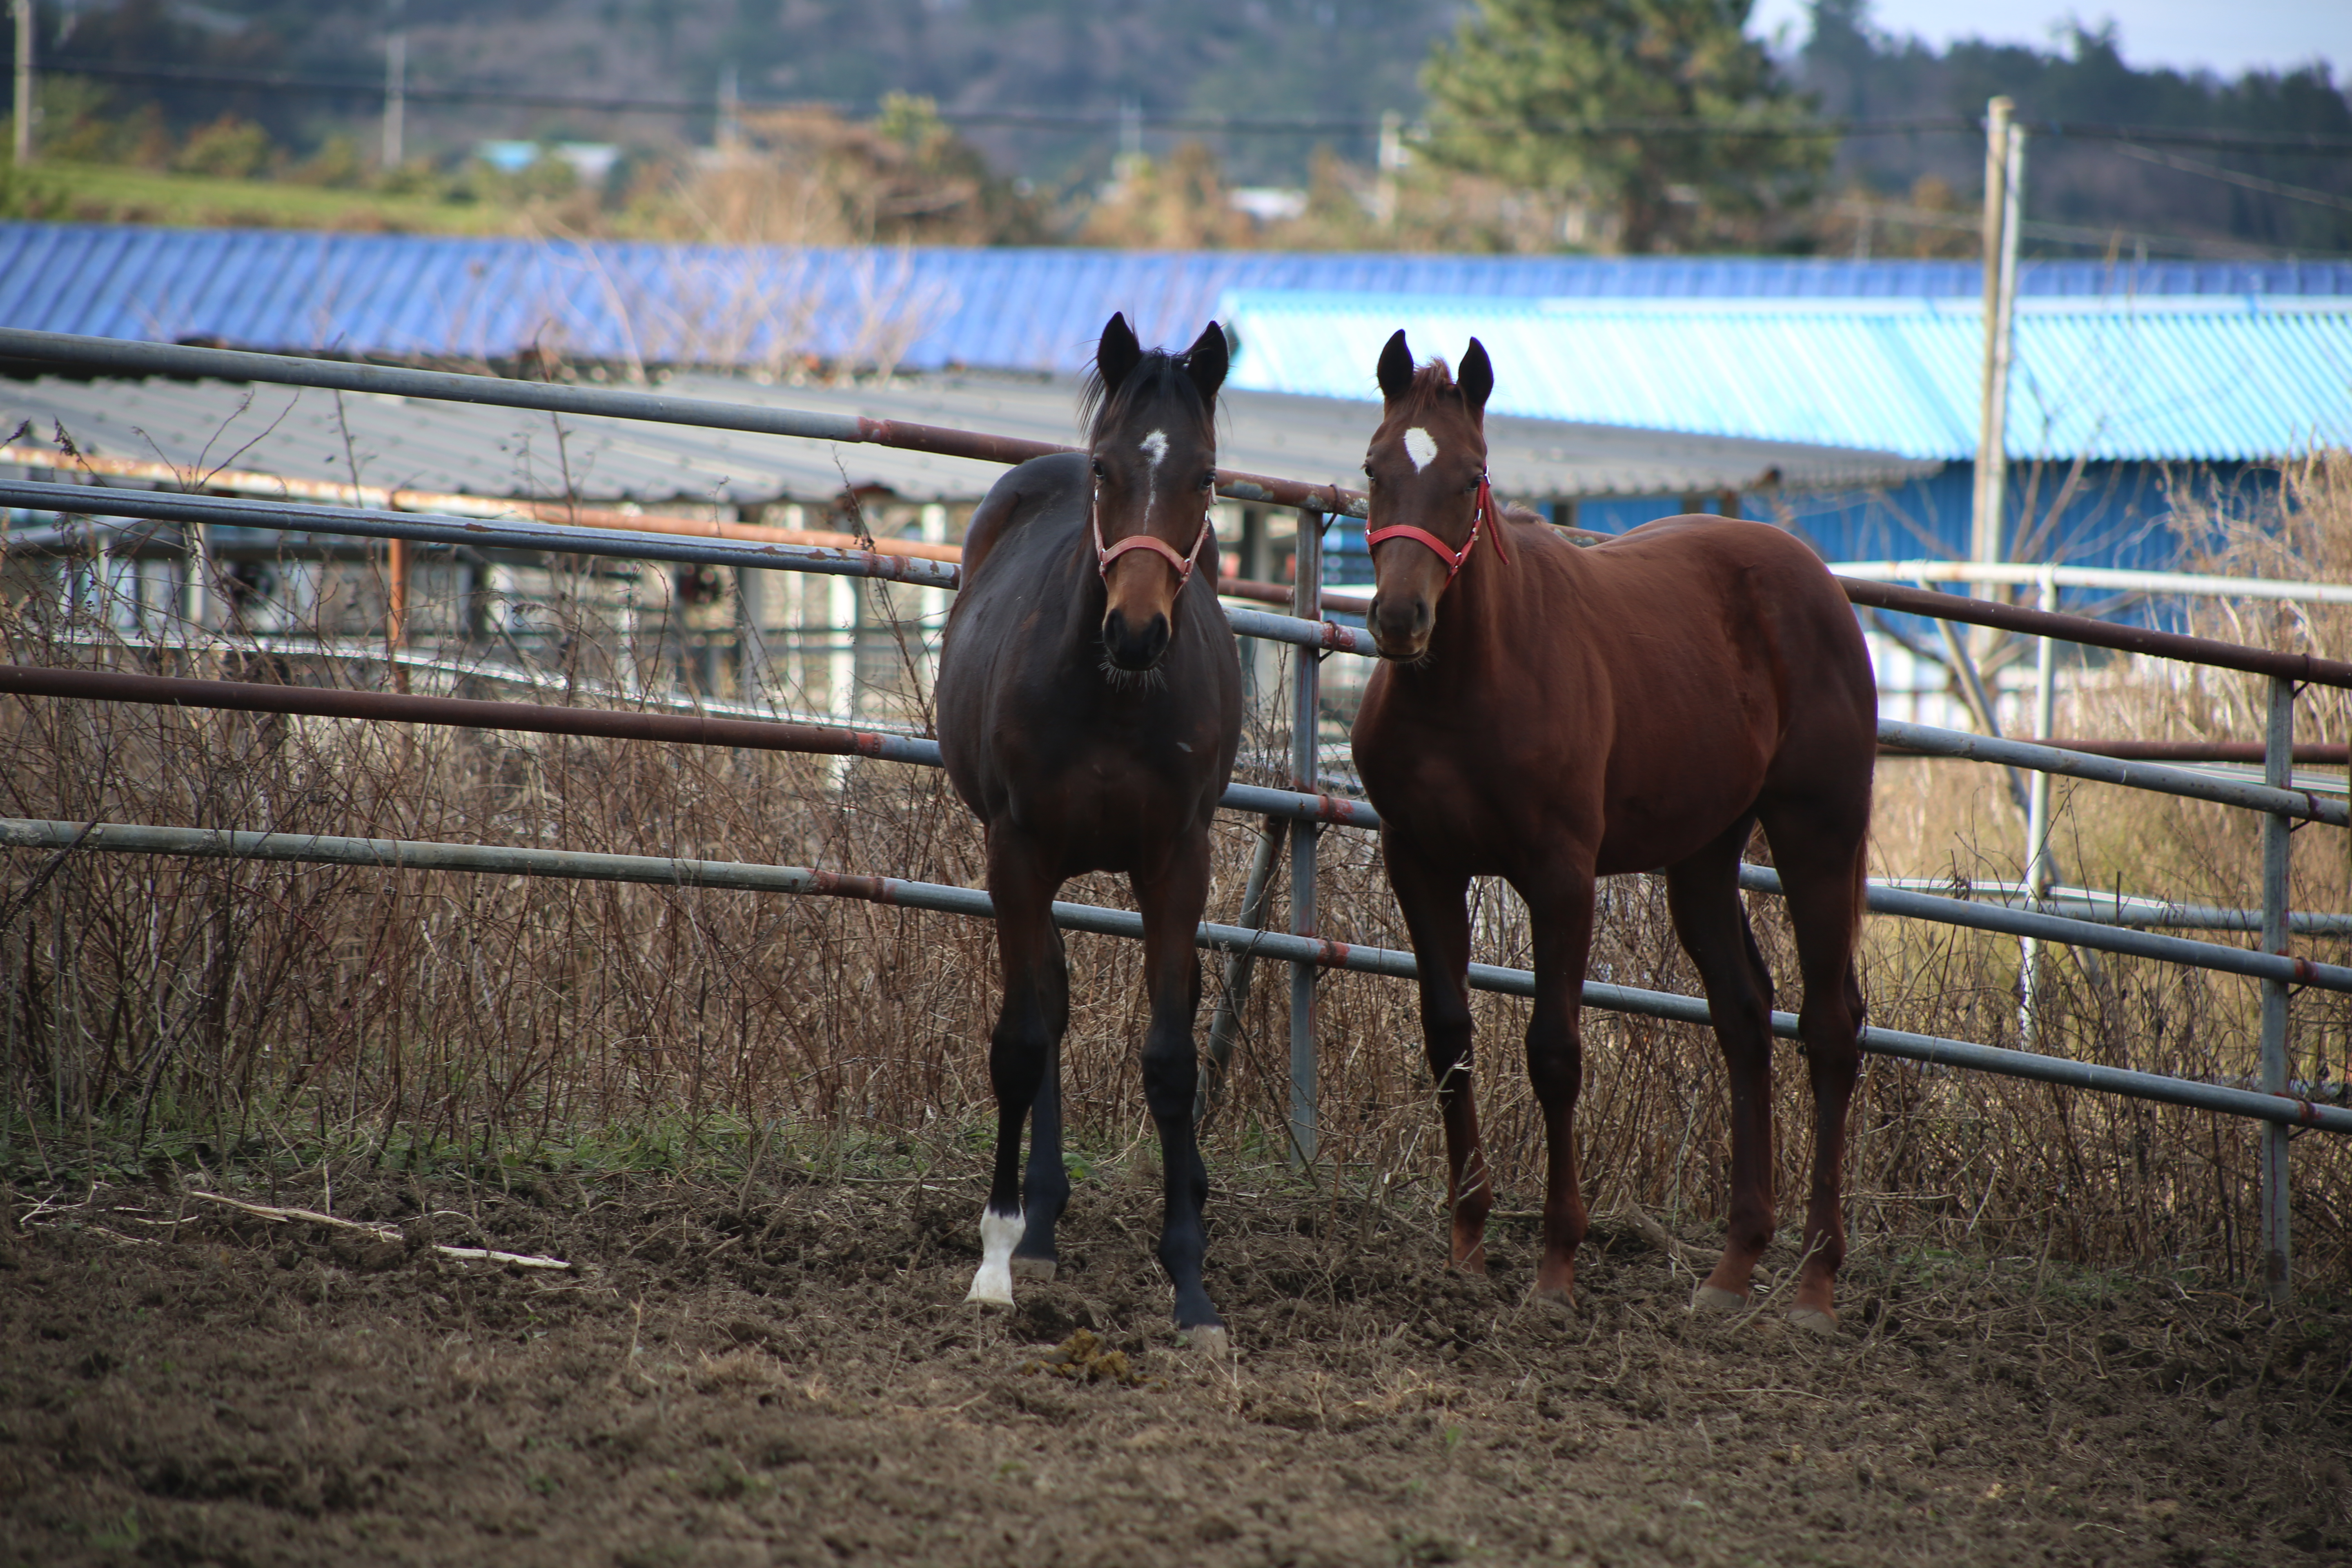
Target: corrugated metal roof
[
  {"x": 426, "y": 446},
  {"x": 2151, "y": 379},
  {"x": 1006, "y": 309}
]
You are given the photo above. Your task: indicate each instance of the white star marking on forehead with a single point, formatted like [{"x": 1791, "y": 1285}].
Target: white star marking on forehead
[
  {"x": 1155, "y": 446},
  {"x": 1420, "y": 447}
]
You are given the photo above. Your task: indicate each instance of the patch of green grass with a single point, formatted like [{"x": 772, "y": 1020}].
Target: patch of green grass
[{"x": 106, "y": 193}]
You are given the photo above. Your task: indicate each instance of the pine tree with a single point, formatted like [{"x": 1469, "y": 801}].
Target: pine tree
[{"x": 1511, "y": 90}]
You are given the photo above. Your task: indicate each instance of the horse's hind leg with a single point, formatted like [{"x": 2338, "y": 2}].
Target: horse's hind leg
[
  {"x": 1173, "y": 899},
  {"x": 1028, "y": 1034},
  {"x": 1821, "y": 852},
  {"x": 1703, "y": 892}
]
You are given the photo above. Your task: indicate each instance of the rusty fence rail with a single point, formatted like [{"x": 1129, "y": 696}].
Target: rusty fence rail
[
  {"x": 409, "y": 855},
  {"x": 2281, "y": 806}
]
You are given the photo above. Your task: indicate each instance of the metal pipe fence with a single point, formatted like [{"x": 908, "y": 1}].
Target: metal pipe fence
[
  {"x": 71, "y": 351},
  {"x": 408, "y": 855},
  {"x": 1304, "y": 807}
]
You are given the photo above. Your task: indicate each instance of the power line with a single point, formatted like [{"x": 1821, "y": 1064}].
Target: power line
[{"x": 1106, "y": 118}]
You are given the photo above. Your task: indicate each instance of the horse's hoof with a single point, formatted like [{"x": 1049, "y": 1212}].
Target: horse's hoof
[
  {"x": 1211, "y": 1341},
  {"x": 1814, "y": 1319},
  {"x": 991, "y": 1287},
  {"x": 1038, "y": 1268},
  {"x": 1716, "y": 1299},
  {"x": 1557, "y": 1297}
]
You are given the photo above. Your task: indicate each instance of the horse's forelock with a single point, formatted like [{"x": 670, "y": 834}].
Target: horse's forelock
[
  {"x": 1159, "y": 377},
  {"x": 1433, "y": 386}
]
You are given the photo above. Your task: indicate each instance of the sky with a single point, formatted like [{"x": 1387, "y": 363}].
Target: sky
[{"x": 2225, "y": 36}]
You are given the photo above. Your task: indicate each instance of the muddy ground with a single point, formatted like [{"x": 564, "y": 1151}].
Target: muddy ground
[{"x": 792, "y": 1377}]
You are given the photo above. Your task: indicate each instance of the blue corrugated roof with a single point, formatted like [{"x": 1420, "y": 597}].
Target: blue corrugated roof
[
  {"x": 2152, "y": 379},
  {"x": 1019, "y": 310}
]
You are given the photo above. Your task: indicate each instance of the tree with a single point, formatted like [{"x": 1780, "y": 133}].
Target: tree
[{"x": 1511, "y": 90}]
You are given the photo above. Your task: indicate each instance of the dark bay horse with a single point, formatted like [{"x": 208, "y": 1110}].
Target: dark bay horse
[
  {"x": 1089, "y": 708},
  {"x": 1549, "y": 714}
]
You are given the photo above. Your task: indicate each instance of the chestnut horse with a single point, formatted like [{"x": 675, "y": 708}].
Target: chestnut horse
[
  {"x": 1089, "y": 708},
  {"x": 1549, "y": 714}
]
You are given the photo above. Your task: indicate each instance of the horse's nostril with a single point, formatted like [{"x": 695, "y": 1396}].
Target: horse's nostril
[{"x": 1134, "y": 647}]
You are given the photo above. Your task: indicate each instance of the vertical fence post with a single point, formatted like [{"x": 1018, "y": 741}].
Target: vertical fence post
[
  {"x": 1224, "y": 1023},
  {"x": 396, "y": 613},
  {"x": 2037, "y": 815},
  {"x": 2278, "y": 768},
  {"x": 1307, "y": 603}
]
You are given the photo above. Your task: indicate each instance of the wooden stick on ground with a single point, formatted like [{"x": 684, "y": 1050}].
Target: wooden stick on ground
[{"x": 381, "y": 1233}]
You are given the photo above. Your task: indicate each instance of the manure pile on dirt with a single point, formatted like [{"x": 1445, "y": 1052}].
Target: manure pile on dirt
[{"x": 793, "y": 1377}]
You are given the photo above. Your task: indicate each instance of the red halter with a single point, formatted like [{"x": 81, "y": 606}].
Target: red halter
[
  {"x": 1104, "y": 557},
  {"x": 1483, "y": 510}
]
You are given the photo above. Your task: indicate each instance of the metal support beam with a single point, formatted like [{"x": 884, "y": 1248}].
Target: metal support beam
[
  {"x": 2277, "y": 766},
  {"x": 1307, "y": 591}
]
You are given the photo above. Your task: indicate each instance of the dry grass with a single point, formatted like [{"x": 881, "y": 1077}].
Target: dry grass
[{"x": 218, "y": 1010}]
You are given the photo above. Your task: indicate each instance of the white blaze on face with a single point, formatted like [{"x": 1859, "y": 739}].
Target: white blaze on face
[
  {"x": 1420, "y": 447},
  {"x": 1155, "y": 447}
]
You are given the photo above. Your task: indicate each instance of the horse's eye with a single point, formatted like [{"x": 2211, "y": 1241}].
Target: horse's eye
[
  {"x": 1209, "y": 480},
  {"x": 1097, "y": 466}
]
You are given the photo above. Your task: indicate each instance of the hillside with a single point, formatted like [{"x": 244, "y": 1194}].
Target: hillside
[{"x": 1037, "y": 90}]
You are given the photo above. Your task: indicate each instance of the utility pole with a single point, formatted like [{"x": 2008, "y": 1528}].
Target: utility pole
[
  {"x": 25, "y": 109},
  {"x": 1392, "y": 159},
  {"x": 395, "y": 87},
  {"x": 728, "y": 138},
  {"x": 2004, "y": 185},
  {"x": 1128, "y": 162}
]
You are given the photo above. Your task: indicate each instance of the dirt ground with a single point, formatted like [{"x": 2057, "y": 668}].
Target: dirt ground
[{"x": 792, "y": 1377}]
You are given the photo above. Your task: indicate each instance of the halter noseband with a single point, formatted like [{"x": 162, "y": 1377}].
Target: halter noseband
[
  {"x": 1480, "y": 512},
  {"x": 1104, "y": 555}
]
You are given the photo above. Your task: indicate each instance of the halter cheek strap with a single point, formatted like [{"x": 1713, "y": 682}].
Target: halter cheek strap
[
  {"x": 1481, "y": 512},
  {"x": 1104, "y": 555}
]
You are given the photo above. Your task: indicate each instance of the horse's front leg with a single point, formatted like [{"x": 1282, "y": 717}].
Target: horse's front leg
[
  {"x": 1047, "y": 1190},
  {"x": 1560, "y": 921},
  {"x": 1172, "y": 897},
  {"x": 1025, "y": 1042},
  {"x": 1437, "y": 916}
]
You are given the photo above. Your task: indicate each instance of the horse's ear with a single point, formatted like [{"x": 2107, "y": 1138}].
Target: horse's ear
[
  {"x": 1119, "y": 353},
  {"x": 1476, "y": 380},
  {"x": 1207, "y": 361},
  {"x": 1396, "y": 368}
]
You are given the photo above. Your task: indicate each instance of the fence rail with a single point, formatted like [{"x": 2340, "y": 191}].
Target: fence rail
[
  {"x": 71, "y": 351},
  {"x": 1302, "y": 806},
  {"x": 409, "y": 855}
]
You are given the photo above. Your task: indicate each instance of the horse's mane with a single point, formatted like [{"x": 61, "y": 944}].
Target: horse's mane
[{"x": 1158, "y": 375}]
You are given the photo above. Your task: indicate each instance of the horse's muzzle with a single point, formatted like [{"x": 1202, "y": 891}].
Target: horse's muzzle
[
  {"x": 1400, "y": 625},
  {"x": 1132, "y": 646}
]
